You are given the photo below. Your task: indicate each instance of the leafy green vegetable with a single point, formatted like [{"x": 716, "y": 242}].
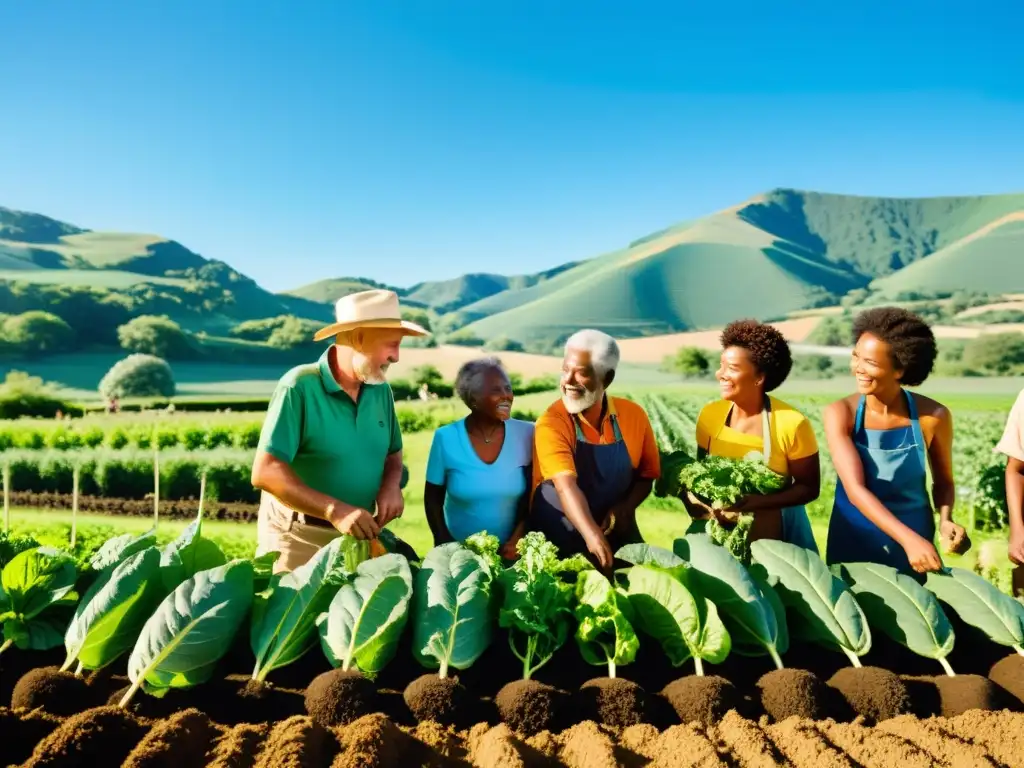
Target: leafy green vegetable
[
  {"x": 604, "y": 634},
  {"x": 111, "y": 614},
  {"x": 189, "y": 554},
  {"x": 980, "y": 603},
  {"x": 284, "y": 628},
  {"x": 722, "y": 481},
  {"x": 364, "y": 621},
  {"x": 191, "y": 629},
  {"x": 669, "y": 609},
  {"x": 821, "y": 607},
  {"x": 900, "y": 607},
  {"x": 672, "y": 463},
  {"x": 746, "y": 610},
  {"x": 486, "y": 546},
  {"x": 452, "y": 609},
  {"x": 32, "y": 582},
  {"x": 120, "y": 548},
  {"x": 11, "y": 545},
  {"x": 734, "y": 540},
  {"x": 536, "y": 604}
]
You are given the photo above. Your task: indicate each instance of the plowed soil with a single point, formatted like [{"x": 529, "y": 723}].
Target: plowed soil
[{"x": 169, "y": 509}]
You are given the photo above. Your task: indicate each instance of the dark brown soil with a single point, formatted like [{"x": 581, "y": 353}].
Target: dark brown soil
[
  {"x": 21, "y": 732},
  {"x": 59, "y": 693},
  {"x": 702, "y": 699},
  {"x": 924, "y": 696},
  {"x": 373, "y": 741},
  {"x": 612, "y": 701},
  {"x": 182, "y": 509},
  {"x": 99, "y": 736},
  {"x": 961, "y": 693},
  {"x": 338, "y": 698},
  {"x": 529, "y": 706},
  {"x": 256, "y": 701},
  {"x": 797, "y": 692},
  {"x": 298, "y": 742},
  {"x": 183, "y": 739},
  {"x": 239, "y": 747},
  {"x": 1008, "y": 674},
  {"x": 873, "y": 693},
  {"x": 443, "y": 700}
]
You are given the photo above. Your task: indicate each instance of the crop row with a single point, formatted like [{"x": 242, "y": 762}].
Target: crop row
[{"x": 174, "y": 613}]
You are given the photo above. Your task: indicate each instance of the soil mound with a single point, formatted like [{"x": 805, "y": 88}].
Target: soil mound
[
  {"x": 702, "y": 698},
  {"x": 874, "y": 693},
  {"x": 962, "y": 693},
  {"x": 374, "y": 741},
  {"x": 183, "y": 739},
  {"x": 298, "y": 742},
  {"x": 796, "y": 692},
  {"x": 59, "y": 693},
  {"x": 239, "y": 747},
  {"x": 443, "y": 700},
  {"x": 99, "y": 736},
  {"x": 256, "y": 701},
  {"x": 338, "y": 697},
  {"x": 1008, "y": 674},
  {"x": 587, "y": 746},
  {"x": 529, "y": 706},
  {"x": 22, "y": 731},
  {"x": 613, "y": 701}
]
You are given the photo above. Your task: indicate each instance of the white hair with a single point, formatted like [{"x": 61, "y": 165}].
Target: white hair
[
  {"x": 470, "y": 377},
  {"x": 603, "y": 349}
]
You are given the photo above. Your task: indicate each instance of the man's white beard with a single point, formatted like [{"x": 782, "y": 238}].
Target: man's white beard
[
  {"x": 577, "y": 404},
  {"x": 364, "y": 370}
]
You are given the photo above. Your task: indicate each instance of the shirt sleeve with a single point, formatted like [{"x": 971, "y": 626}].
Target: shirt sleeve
[
  {"x": 436, "y": 464},
  {"x": 650, "y": 458},
  {"x": 554, "y": 449},
  {"x": 282, "y": 427},
  {"x": 1012, "y": 442},
  {"x": 803, "y": 443}
]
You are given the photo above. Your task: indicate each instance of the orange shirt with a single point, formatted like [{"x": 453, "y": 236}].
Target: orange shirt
[{"x": 554, "y": 441}]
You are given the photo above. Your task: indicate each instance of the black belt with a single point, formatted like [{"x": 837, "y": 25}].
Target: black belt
[{"x": 298, "y": 517}]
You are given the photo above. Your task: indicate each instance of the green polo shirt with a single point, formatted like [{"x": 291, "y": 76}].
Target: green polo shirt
[{"x": 336, "y": 446}]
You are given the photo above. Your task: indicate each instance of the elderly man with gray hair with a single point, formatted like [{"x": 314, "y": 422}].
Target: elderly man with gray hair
[
  {"x": 478, "y": 473},
  {"x": 595, "y": 457}
]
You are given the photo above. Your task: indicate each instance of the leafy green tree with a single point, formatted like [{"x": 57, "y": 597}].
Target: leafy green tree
[
  {"x": 504, "y": 344},
  {"x": 690, "y": 361},
  {"x": 138, "y": 375},
  {"x": 293, "y": 333},
  {"x": 418, "y": 316},
  {"x": 38, "y": 333},
  {"x": 998, "y": 353},
  {"x": 427, "y": 374},
  {"x": 24, "y": 395},
  {"x": 155, "y": 335}
]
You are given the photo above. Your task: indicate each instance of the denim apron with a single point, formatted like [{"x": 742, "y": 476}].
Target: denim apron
[
  {"x": 796, "y": 525},
  {"x": 604, "y": 474},
  {"x": 895, "y": 465}
]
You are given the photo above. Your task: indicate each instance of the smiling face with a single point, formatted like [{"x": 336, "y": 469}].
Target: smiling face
[
  {"x": 737, "y": 375},
  {"x": 374, "y": 353},
  {"x": 579, "y": 384},
  {"x": 494, "y": 398},
  {"x": 872, "y": 366}
]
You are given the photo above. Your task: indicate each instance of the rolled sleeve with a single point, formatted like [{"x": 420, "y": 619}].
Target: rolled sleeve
[
  {"x": 282, "y": 428},
  {"x": 1012, "y": 442},
  {"x": 553, "y": 446}
]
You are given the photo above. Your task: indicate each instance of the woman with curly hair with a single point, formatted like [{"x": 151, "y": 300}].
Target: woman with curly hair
[
  {"x": 755, "y": 361},
  {"x": 883, "y": 440}
]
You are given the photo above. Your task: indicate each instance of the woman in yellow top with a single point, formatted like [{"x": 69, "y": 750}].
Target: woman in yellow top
[{"x": 756, "y": 360}]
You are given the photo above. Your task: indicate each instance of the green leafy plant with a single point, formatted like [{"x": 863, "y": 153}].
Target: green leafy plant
[
  {"x": 980, "y": 604},
  {"x": 536, "y": 604},
  {"x": 364, "y": 621},
  {"x": 11, "y": 545},
  {"x": 736, "y": 539},
  {"x": 31, "y": 584},
  {"x": 721, "y": 481},
  {"x": 189, "y": 554},
  {"x": 900, "y": 607},
  {"x": 604, "y": 634},
  {"x": 669, "y": 609},
  {"x": 820, "y": 606}
]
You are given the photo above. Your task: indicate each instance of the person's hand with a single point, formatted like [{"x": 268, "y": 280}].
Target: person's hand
[
  {"x": 508, "y": 549},
  {"x": 597, "y": 545},
  {"x": 954, "y": 537},
  {"x": 699, "y": 505},
  {"x": 358, "y": 523},
  {"x": 727, "y": 517},
  {"x": 922, "y": 555},
  {"x": 390, "y": 504},
  {"x": 1016, "y": 549}
]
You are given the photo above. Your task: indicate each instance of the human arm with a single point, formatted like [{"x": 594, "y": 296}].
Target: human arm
[
  {"x": 1015, "y": 506},
  {"x": 920, "y": 552},
  {"x": 804, "y": 488},
  {"x": 940, "y": 458},
  {"x": 435, "y": 489},
  {"x": 390, "y": 500},
  {"x": 577, "y": 510},
  {"x": 508, "y": 549}
]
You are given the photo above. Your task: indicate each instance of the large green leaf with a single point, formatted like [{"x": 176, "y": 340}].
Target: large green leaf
[
  {"x": 452, "y": 608},
  {"x": 365, "y": 619},
  {"x": 33, "y": 581},
  {"x": 605, "y": 635},
  {"x": 684, "y": 623},
  {"x": 191, "y": 629},
  {"x": 980, "y": 604},
  {"x": 900, "y": 607},
  {"x": 189, "y": 554},
  {"x": 285, "y": 626},
  {"x": 120, "y": 548},
  {"x": 648, "y": 554},
  {"x": 746, "y": 612},
  {"x": 825, "y": 609},
  {"x": 111, "y": 614}
]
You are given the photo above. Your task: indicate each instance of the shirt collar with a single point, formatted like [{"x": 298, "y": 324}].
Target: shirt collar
[
  {"x": 607, "y": 411},
  {"x": 331, "y": 384}
]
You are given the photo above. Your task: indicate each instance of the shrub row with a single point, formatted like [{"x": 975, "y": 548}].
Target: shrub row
[
  {"x": 129, "y": 474},
  {"x": 192, "y": 436}
]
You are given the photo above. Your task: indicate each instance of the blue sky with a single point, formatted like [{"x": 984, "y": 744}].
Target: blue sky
[{"x": 318, "y": 139}]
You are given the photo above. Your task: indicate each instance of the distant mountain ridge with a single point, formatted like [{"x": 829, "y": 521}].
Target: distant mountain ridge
[{"x": 765, "y": 257}]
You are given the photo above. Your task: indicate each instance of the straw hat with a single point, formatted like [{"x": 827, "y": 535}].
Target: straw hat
[{"x": 369, "y": 309}]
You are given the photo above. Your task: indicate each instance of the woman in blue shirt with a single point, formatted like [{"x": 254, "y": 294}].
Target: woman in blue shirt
[{"x": 479, "y": 467}]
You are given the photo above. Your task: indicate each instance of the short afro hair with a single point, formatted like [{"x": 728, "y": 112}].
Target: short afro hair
[
  {"x": 767, "y": 347},
  {"x": 910, "y": 339}
]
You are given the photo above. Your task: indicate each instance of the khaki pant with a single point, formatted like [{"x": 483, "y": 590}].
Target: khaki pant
[{"x": 297, "y": 542}]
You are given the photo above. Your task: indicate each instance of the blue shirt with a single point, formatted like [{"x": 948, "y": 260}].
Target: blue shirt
[{"x": 480, "y": 496}]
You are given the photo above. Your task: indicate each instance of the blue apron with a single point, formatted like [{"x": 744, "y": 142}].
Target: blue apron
[
  {"x": 604, "y": 474},
  {"x": 895, "y": 465},
  {"x": 796, "y": 525}
]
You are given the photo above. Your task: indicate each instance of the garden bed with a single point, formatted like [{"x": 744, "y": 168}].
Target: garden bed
[{"x": 169, "y": 510}]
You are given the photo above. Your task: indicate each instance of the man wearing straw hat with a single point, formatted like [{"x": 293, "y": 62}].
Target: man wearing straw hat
[{"x": 329, "y": 458}]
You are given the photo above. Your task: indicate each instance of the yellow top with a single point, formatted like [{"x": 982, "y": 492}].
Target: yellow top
[{"x": 792, "y": 435}]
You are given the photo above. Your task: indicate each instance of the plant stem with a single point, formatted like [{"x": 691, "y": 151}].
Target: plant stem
[
  {"x": 698, "y": 664},
  {"x": 854, "y": 660},
  {"x": 775, "y": 658},
  {"x": 945, "y": 666},
  {"x": 78, "y": 671},
  {"x": 131, "y": 692},
  {"x": 67, "y": 664},
  {"x": 531, "y": 645},
  {"x": 611, "y": 667},
  {"x": 1019, "y": 649},
  {"x": 444, "y": 669},
  {"x": 6, "y": 645}
]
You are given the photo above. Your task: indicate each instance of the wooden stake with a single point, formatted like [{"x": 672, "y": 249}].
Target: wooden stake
[
  {"x": 74, "y": 505},
  {"x": 7, "y": 497},
  {"x": 156, "y": 485},
  {"x": 202, "y": 492}
]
